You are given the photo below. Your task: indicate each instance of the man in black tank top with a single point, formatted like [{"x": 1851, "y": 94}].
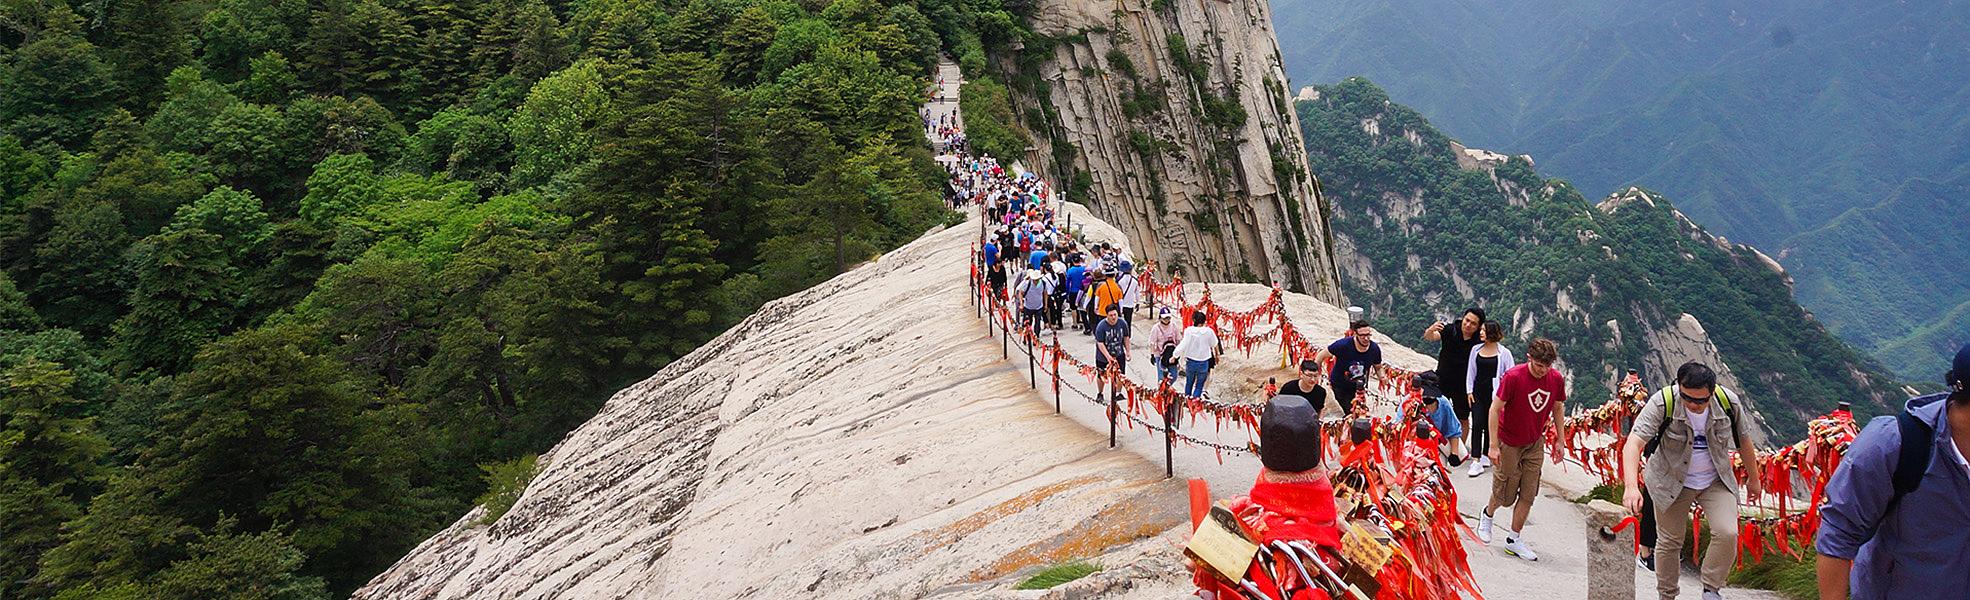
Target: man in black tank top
[{"x": 1454, "y": 355}]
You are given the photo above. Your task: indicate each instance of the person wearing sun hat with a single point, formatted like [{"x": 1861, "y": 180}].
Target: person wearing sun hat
[
  {"x": 1032, "y": 295},
  {"x": 1163, "y": 339},
  {"x": 1897, "y": 510}
]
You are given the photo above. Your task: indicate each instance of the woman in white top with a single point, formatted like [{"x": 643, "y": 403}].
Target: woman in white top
[
  {"x": 1198, "y": 348},
  {"x": 1488, "y": 362}
]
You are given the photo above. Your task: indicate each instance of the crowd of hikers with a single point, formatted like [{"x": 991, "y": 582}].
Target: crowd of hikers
[
  {"x": 1895, "y": 514},
  {"x": 1057, "y": 282}
]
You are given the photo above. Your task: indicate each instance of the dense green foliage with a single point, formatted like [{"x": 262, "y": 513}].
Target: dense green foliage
[
  {"x": 987, "y": 108},
  {"x": 1542, "y": 259},
  {"x": 1820, "y": 131},
  {"x": 277, "y": 277}
]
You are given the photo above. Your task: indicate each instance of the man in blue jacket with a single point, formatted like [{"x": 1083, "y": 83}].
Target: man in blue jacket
[{"x": 1896, "y": 519}]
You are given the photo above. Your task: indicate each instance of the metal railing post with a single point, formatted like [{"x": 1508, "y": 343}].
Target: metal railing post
[
  {"x": 1032, "y": 362},
  {"x": 1169, "y": 435},
  {"x": 1056, "y": 371},
  {"x": 1111, "y": 412}
]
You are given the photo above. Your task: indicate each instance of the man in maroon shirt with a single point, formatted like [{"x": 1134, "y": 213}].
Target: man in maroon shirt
[{"x": 1529, "y": 395}]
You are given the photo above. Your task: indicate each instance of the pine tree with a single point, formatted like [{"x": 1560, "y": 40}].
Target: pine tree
[
  {"x": 48, "y": 465},
  {"x": 681, "y": 140},
  {"x": 744, "y": 43},
  {"x": 146, "y": 40},
  {"x": 76, "y": 282},
  {"x": 57, "y": 88},
  {"x": 15, "y": 313},
  {"x": 237, "y": 32},
  {"x": 190, "y": 281},
  {"x": 443, "y": 56}
]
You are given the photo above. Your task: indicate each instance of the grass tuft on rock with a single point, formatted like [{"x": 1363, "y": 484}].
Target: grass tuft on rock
[
  {"x": 1058, "y": 574},
  {"x": 504, "y": 482},
  {"x": 1610, "y": 493}
]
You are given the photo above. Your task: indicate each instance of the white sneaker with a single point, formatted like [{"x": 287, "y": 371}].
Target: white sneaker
[
  {"x": 1515, "y": 546},
  {"x": 1486, "y": 461},
  {"x": 1477, "y": 468},
  {"x": 1712, "y": 595},
  {"x": 1484, "y": 527}
]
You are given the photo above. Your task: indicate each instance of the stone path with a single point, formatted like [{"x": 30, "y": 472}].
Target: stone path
[
  {"x": 1556, "y": 527},
  {"x": 944, "y": 100}
]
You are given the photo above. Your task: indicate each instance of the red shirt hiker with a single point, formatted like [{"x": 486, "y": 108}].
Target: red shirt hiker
[{"x": 1529, "y": 403}]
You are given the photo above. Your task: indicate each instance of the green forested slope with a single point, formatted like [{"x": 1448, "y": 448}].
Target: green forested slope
[
  {"x": 278, "y": 276},
  {"x": 1906, "y": 303},
  {"x": 1432, "y": 238}
]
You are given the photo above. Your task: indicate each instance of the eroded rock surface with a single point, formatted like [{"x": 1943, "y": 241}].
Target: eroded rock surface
[
  {"x": 861, "y": 439},
  {"x": 1174, "y": 119}
]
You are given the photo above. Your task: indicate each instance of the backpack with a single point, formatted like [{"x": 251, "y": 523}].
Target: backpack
[
  {"x": 1913, "y": 459},
  {"x": 1036, "y": 285},
  {"x": 1668, "y": 408}
]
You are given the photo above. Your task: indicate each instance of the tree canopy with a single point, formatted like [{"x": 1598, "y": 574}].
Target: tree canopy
[{"x": 277, "y": 277}]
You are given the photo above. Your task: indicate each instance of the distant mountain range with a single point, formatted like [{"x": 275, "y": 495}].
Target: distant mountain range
[
  {"x": 1425, "y": 227},
  {"x": 1833, "y": 135}
]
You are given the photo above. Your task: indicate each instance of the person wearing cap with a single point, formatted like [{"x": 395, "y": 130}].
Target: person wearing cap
[
  {"x": 1689, "y": 446},
  {"x": 1357, "y": 359},
  {"x": 1131, "y": 290},
  {"x": 1291, "y": 501},
  {"x": 1163, "y": 339},
  {"x": 1307, "y": 386},
  {"x": 1057, "y": 301},
  {"x": 1435, "y": 410},
  {"x": 1032, "y": 293},
  {"x": 1897, "y": 512}
]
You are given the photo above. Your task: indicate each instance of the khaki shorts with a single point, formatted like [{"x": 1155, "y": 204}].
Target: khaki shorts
[{"x": 1515, "y": 479}]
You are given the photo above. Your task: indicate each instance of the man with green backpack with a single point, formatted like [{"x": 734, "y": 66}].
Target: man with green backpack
[{"x": 1689, "y": 430}]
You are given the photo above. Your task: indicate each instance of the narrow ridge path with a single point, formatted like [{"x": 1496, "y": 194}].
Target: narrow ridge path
[{"x": 1556, "y": 527}]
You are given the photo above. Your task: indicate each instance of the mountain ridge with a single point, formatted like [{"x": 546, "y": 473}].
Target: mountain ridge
[
  {"x": 1765, "y": 121},
  {"x": 1607, "y": 279}
]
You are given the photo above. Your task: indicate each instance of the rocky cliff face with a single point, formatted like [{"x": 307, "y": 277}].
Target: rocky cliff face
[
  {"x": 1666, "y": 348},
  {"x": 1170, "y": 119},
  {"x": 861, "y": 439}
]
